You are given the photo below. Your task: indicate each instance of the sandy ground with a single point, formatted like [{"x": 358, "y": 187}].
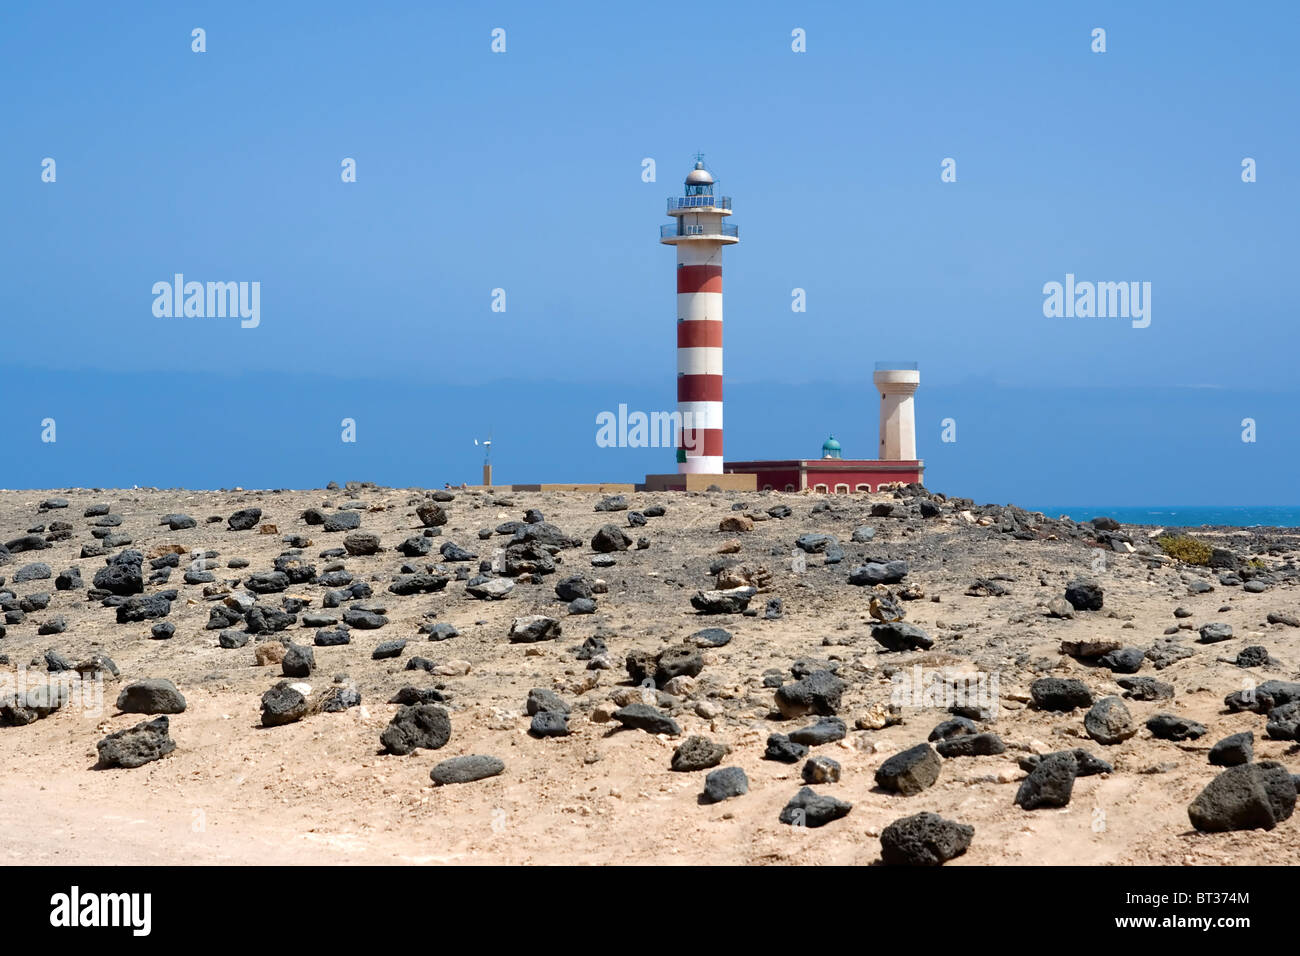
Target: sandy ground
[{"x": 322, "y": 791}]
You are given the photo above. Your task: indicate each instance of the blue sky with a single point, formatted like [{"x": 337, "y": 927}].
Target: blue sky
[{"x": 522, "y": 171}]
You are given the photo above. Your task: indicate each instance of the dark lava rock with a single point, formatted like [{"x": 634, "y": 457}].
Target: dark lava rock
[
  {"x": 698, "y": 753},
  {"x": 550, "y": 723},
  {"x": 419, "y": 583},
  {"x": 1249, "y": 797},
  {"x": 120, "y": 578},
  {"x": 28, "y": 542},
  {"x": 56, "y": 663},
  {"x": 781, "y": 748},
  {"x": 1088, "y": 764},
  {"x": 711, "y": 637},
  {"x": 971, "y": 745},
  {"x": 818, "y": 693},
  {"x": 416, "y": 546},
  {"x": 223, "y": 616},
  {"x": 298, "y": 661},
  {"x": 164, "y": 631},
  {"x": 232, "y": 639},
  {"x": 910, "y": 771},
  {"x": 417, "y": 726},
  {"x": 443, "y": 631},
  {"x": 1084, "y": 596},
  {"x": 1109, "y": 722},
  {"x": 155, "y": 696},
  {"x": 363, "y": 619},
  {"x": 341, "y": 521},
  {"x": 901, "y": 636},
  {"x": 1253, "y": 656},
  {"x": 142, "y": 608},
  {"x": 647, "y": 718},
  {"x": 453, "y": 552},
  {"x": 725, "y": 783},
  {"x": 1171, "y": 727},
  {"x": 69, "y": 580},
  {"x": 1262, "y": 699},
  {"x": 1234, "y": 750},
  {"x": 361, "y": 543},
  {"x": 610, "y": 538},
  {"x": 334, "y": 638},
  {"x": 1146, "y": 688},
  {"x": 814, "y": 543},
  {"x": 573, "y": 587},
  {"x": 1215, "y": 632},
  {"x": 267, "y": 620},
  {"x": 810, "y": 809},
  {"x": 534, "y": 628},
  {"x": 957, "y": 727},
  {"x": 282, "y": 705},
  {"x": 244, "y": 519},
  {"x": 1284, "y": 722},
  {"x": 267, "y": 582},
  {"x": 873, "y": 573},
  {"x": 466, "y": 769},
  {"x": 925, "y": 839},
  {"x": 679, "y": 661},
  {"x": 1126, "y": 660},
  {"x": 540, "y": 701},
  {"x": 338, "y": 699},
  {"x": 732, "y": 601},
  {"x": 1050, "y": 783},
  {"x": 826, "y": 730},
  {"x": 431, "y": 515},
  {"x": 417, "y": 695},
  {"x": 1060, "y": 694},
  {"x": 1164, "y": 653},
  {"x": 387, "y": 649},
  {"x": 145, "y": 742}
]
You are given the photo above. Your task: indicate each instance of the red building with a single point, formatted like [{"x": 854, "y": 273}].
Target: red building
[{"x": 830, "y": 473}]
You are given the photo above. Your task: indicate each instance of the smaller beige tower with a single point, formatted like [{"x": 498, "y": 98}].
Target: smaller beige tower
[{"x": 897, "y": 382}]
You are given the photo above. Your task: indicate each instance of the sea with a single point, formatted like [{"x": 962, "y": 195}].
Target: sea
[{"x": 1177, "y": 516}]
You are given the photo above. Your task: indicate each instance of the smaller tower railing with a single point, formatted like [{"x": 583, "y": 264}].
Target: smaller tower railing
[
  {"x": 687, "y": 229},
  {"x": 698, "y": 202}
]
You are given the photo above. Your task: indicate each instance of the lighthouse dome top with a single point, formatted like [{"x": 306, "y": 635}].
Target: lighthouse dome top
[
  {"x": 699, "y": 176},
  {"x": 831, "y": 448}
]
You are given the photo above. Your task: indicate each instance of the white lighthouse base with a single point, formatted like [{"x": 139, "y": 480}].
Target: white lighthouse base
[{"x": 707, "y": 465}]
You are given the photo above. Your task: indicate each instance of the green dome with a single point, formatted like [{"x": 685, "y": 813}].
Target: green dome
[{"x": 830, "y": 448}]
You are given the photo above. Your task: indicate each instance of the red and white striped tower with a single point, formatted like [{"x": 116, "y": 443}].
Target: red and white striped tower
[{"x": 699, "y": 233}]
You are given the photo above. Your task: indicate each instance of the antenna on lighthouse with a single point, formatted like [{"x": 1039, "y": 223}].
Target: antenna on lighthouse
[{"x": 487, "y": 459}]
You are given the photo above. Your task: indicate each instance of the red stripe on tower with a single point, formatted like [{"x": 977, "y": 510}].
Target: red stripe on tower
[
  {"x": 701, "y": 441},
  {"x": 699, "y": 278},
  {"x": 699, "y": 335},
  {"x": 699, "y": 388}
]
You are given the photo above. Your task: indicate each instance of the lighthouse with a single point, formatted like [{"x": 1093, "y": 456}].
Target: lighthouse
[{"x": 699, "y": 231}]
